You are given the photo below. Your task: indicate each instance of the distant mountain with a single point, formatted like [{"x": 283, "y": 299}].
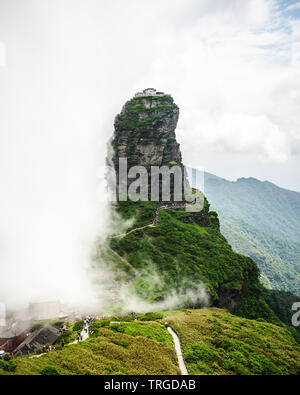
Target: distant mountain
[
  {"x": 262, "y": 221},
  {"x": 277, "y": 259},
  {"x": 261, "y": 204}
]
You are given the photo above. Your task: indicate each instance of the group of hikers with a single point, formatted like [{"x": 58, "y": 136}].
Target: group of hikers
[
  {"x": 86, "y": 323},
  {"x": 48, "y": 348}
]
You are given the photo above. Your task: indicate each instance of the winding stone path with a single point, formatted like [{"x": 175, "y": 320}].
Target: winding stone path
[
  {"x": 84, "y": 334},
  {"x": 179, "y": 353},
  {"x": 155, "y": 220}
]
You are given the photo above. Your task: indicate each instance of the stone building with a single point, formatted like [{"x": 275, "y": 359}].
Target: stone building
[{"x": 48, "y": 334}]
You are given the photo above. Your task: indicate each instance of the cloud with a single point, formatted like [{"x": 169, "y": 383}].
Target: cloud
[
  {"x": 293, "y": 7},
  {"x": 237, "y": 132},
  {"x": 196, "y": 296}
]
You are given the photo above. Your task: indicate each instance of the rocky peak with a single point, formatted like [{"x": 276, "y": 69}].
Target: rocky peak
[{"x": 145, "y": 131}]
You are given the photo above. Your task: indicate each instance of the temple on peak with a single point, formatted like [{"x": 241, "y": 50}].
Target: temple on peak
[{"x": 149, "y": 92}]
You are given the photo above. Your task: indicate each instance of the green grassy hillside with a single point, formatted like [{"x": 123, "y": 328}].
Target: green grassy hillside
[
  {"x": 185, "y": 250},
  {"x": 216, "y": 342},
  {"x": 213, "y": 342},
  {"x": 129, "y": 348}
]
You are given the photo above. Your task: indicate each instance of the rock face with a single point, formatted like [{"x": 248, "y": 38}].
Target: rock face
[{"x": 145, "y": 132}]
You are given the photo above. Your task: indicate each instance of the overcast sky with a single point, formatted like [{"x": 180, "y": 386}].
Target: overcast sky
[{"x": 68, "y": 66}]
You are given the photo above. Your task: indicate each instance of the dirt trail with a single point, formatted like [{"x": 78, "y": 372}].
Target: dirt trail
[{"x": 179, "y": 353}]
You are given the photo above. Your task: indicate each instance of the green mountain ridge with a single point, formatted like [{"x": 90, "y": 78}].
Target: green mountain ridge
[
  {"x": 244, "y": 220},
  {"x": 277, "y": 259},
  {"x": 259, "y": 203}
]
